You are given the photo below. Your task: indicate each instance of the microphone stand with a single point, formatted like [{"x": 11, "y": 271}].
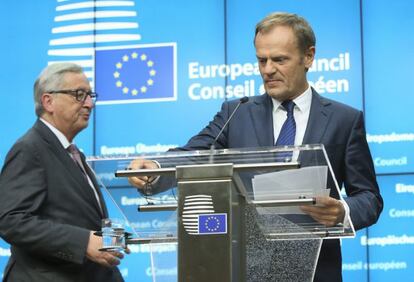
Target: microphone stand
[{"x": 212, "y": 146}]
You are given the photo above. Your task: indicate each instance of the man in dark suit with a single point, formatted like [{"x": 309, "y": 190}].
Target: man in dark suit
[
  {"x": 285, "y": 49},
  {"x": 50, "y": 203}
]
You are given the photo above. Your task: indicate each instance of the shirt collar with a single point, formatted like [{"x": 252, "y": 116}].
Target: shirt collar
[
  {"x": 302, "y": 102},
  {"x": 62, "y": 138}
]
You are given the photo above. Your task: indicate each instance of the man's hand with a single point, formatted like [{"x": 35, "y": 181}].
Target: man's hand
[
  {"x": 327, "y": 211},
  {"x": 140, "y": 181},
  {"x": 108, "y": 259}
]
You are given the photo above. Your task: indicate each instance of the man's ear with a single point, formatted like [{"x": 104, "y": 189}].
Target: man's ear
[
  {"x": 309, "y": 56},
  {"x": 47, "y": 102}
]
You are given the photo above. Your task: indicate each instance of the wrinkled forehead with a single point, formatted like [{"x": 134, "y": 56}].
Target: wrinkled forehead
[{"x": 75, "y": 80}]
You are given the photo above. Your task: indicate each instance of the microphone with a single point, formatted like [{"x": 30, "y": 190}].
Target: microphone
[{"x": 241, "y": 101}]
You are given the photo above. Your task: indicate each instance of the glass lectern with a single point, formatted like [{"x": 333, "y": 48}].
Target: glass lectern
[{"x": 233, "y": 214}]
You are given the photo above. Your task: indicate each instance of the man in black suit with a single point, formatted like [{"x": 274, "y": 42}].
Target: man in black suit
[
  {"x": 50, "y": 200},
  {"x": 285, "y": 50}
]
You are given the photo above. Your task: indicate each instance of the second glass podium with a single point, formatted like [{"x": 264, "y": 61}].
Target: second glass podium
[{"x": 232, "y": 215}]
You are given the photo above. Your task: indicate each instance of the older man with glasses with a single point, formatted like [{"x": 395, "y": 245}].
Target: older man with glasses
[{"x": 50, "y": 200}]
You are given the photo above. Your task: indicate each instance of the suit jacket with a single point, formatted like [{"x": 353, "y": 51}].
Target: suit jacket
[
  {"x": 47, "y": 211},
  {"x": 339, "y": 127}
]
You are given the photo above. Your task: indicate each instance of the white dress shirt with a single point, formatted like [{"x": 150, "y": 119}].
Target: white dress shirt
[{"x": 301, "y": 114}]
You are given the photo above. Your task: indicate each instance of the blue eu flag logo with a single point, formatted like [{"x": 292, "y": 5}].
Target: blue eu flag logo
[
  {"x": 144, "y": 73},
  {"x": 213, "y": 223}
]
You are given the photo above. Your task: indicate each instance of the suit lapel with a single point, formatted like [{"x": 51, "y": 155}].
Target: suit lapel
[
  {"x": 318, "y": 120},
  {"x": 262, "y": 118},
  {"x": 56, "y": 147},
  {"x": 72, "y": 168}
]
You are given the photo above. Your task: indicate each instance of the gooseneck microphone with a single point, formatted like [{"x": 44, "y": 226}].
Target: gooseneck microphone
[{"x": 241, "y": 101}]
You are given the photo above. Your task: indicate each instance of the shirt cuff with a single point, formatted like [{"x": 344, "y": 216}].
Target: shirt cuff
[
  {"x": 155, "y": 179},
  {"x": 346, "y": 222}
]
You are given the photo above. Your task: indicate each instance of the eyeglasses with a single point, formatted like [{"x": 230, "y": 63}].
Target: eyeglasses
[{"x": 79, "y": 94}]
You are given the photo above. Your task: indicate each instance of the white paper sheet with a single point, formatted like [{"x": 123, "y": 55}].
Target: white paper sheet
[{"x": 306, "y": 182}]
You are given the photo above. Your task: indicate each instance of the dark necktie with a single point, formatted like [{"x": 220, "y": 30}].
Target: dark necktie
[
  {"x": 75, "y": 154},
  {"x": 288, "y": 131}
]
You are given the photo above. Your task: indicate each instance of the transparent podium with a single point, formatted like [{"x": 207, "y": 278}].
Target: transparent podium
[{"x": 233, "y": 214}]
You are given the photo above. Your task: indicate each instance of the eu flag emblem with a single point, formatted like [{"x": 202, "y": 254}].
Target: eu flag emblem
[
  {"x": 213, "y": 223},
  {"x": 134, "y": 74}
]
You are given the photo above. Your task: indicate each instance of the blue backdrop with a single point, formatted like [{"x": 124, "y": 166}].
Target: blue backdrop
[{"x": 163, "y": 68}]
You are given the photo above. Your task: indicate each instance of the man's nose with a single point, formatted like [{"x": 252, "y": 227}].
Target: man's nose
[
  {"x": 269, "y": 68},
  {"x": 89, "y": 102}
]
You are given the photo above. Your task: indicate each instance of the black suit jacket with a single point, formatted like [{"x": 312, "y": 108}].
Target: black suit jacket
[
  {"x": 339, "y": 127},
  {"x": 47, "y": 211}
]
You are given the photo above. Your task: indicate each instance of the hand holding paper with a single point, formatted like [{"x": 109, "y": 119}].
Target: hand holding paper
[{"x": 328, "y": 211}]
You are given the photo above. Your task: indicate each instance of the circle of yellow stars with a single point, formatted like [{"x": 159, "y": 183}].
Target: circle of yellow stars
[
  {"x": 210, "y": 219},
  {"x": 143, "y": 88}
]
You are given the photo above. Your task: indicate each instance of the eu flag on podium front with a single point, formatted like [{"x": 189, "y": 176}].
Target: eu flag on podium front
[
  {"x": 135, "y": 74},
  {"x": 214, "y": 223}
]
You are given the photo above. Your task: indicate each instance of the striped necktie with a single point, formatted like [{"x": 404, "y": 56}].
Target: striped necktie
[{"x": 288, "y": 131}]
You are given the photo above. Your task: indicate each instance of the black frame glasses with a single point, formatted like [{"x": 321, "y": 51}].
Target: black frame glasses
[{"x": 79, "y": 94}]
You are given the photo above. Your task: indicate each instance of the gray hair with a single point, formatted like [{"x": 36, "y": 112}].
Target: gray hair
[
  {"x": 303, "y": 31},
  {"x": 51, "y": 78}
]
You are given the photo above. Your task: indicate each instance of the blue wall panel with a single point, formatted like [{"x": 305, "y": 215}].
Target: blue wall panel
[{"x": 388, "y": 60}]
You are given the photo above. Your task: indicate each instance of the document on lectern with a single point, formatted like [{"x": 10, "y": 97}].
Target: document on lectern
[{"x": 302, "y": 183}]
